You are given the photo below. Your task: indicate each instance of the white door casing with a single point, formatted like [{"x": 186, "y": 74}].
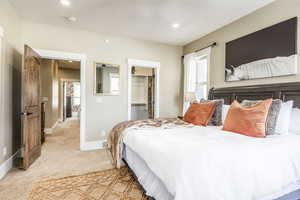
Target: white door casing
[
  {"x": 83, "y": 61},
  {"x": 149, "y": 64}
]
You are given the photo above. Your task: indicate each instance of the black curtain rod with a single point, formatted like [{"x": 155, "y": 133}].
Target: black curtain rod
[{"x": 211, "y": 45}]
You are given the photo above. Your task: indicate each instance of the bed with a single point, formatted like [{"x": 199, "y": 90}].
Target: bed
[{"x": 202, "y": 166}]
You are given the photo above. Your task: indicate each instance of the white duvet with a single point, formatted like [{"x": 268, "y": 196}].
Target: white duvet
[{"x": 210, "y": 164}]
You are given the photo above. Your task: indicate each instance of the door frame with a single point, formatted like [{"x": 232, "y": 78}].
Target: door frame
[
  {"x": 82, "y": 58},
  {"x": 1, "y": 76},
  {"x": 147, "y": 64}
]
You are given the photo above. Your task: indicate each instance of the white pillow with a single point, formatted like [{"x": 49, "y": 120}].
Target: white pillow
[
  {"x": 295, "y": 121},
  {"x": 225, "y": 109},
  {"x": 283, "y": 122}
]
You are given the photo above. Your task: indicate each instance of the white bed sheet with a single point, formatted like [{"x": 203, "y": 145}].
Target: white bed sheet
[
  {"x": 155, "y": 187},
  {"x": 150, "y": 182},
  {"x": 222, "y": 171}
]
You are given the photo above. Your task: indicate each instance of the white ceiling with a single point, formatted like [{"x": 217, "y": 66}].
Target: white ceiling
[{"x": 141, "y": 19}]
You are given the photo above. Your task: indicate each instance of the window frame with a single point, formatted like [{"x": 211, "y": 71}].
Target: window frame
[
  {"x": 205, "y": 53},
  {"x": 202, "y": 83}
]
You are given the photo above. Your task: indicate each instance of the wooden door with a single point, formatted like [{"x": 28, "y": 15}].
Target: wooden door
[
  {"x": 151, "y": 95},
  {"x": 31, "y": 108},
  {"x": 64, "y": 100}
]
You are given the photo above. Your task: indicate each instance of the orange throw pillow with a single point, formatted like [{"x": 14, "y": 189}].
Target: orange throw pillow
[
  {"x": 200, "y": 113},
  {"x": 248, "y": 120}
]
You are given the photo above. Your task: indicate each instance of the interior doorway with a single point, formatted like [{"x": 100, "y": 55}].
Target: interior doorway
[
  {"x": 71, "y": 99},
  {"x": 142, "y": 93},
  {"x": 143, "y": 89},
  {"x": 81, "y": 61},
  {"x": 60, "y": 92}
]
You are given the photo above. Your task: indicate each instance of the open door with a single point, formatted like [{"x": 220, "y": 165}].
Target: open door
[
  {"x": 31, "y": 108},
  {"x": 151, "y": 95}
]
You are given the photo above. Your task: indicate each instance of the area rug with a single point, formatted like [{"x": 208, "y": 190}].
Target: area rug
[{"x": 113, "y": 184}]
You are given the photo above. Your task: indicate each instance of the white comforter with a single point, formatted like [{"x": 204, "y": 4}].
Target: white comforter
[{"x": 210, "y": 164}]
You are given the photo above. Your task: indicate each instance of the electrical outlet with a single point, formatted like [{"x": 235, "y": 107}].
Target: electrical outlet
[
  {"x": 105, "y": 144},
  {"x": 4, "y": 151}
]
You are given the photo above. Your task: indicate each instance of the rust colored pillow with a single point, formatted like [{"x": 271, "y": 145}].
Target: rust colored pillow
[
  {"x": 248, "y": 120},
  {"x": 200, "y": 113}
]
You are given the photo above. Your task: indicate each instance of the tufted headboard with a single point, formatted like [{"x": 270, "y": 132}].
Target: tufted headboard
[{"x": 283, "y": 91}]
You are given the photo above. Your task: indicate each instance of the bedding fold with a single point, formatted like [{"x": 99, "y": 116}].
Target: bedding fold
[{"x": 115, "y": 137}]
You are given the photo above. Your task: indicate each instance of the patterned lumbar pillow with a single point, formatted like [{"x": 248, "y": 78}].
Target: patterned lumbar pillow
[
  {"x": 272, "y": 114},
  {"x": 216, "y": 119}
]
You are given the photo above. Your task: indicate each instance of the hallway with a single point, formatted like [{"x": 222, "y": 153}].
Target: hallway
[{"x": 60, "y": 157}]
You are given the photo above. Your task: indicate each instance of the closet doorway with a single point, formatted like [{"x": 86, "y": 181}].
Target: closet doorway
[
  {"x": 143, "y": 86},
  {"x": 142, "y": 93}
]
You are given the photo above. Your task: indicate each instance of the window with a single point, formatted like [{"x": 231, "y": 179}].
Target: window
[
  {"x": 114, "y": 83},
  {"x": 197, "y": 78},
  {"x": 196, "y": 67},
  {"x": 76, "y": 94}
]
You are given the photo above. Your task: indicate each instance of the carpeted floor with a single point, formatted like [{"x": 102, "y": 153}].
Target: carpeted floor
[
  {"x": 61, "y": 157},
  {"x": 112, "y": 184}
]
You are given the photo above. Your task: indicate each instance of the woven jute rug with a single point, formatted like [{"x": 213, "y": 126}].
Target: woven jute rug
[{"x": 113, "y": 184}]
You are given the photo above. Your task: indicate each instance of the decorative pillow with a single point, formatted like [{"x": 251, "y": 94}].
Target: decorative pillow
[
  {"x": 272, "y": 115},
  {"x": 216, "y": 119},
  {"x": 283, "y": 122},
  {"x": 248, "y": 120},
  {"x": 295, "y": 121},
  {"x": 200, "y": 113}
]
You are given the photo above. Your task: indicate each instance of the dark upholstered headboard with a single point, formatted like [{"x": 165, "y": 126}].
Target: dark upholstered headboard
[{"x": 283, "y": 91}]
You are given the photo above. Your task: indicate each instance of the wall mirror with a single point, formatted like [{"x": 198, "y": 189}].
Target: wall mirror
[{"x": 107, "y": 79}]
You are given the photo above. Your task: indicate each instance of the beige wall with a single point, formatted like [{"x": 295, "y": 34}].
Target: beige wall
[
  {"x": 10, "y": 67},
  {"x": 46, "y": 89},
  {"x": 55, "y": 93},
  {"x": 50, "y": 89},
  {"x": 72, "y": 74},
  {"x": 113, "y": 109},
  {"x": 273, "y": 13}
]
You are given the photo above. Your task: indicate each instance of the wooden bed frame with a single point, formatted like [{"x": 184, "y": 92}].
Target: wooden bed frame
[{"x": 283, "y": 91}]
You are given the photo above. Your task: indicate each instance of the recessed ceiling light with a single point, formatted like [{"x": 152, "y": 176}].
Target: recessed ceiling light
[
  {"x": 71, "y": 19},
  {"x": 106, "y": 40},
  {"x": 175, "y": 25},
  {"x": 65, "y": 2}
]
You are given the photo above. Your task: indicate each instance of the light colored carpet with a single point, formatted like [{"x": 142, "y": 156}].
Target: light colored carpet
[
  {"x": 112, "y": 184},
  {"x": 61, "y": 157}
]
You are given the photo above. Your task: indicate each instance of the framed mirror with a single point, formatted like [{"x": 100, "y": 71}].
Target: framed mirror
[{"x": 107, "y": 79}]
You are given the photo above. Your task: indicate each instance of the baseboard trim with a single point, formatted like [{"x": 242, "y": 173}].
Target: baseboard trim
[
  {"x": 49, "y": 131},
  {"x": 7, "y": 165},
  {"x": 87, "y": 146}
]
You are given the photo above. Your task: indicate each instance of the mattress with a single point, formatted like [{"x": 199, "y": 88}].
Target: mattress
[
  {"x": 149, "y": 181},
  {"x": 155, "y": 188}
]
